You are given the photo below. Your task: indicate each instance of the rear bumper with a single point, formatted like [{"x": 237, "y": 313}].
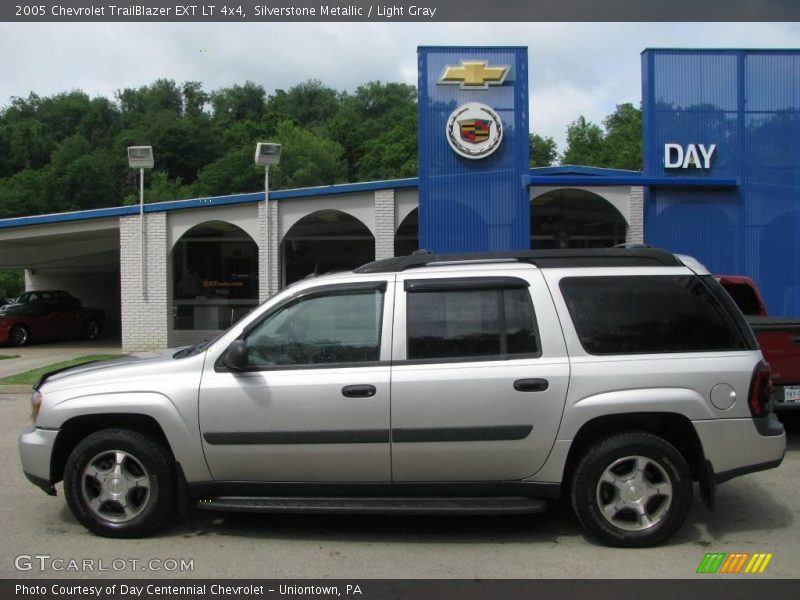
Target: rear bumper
[
  {"x": 738, "y": 446},
  {"x": 35, "y": 451}
]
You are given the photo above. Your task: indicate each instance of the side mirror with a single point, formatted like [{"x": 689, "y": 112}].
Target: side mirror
[{"x": 236, "y": 355}]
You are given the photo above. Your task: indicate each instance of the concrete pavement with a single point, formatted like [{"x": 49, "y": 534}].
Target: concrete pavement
[{"x": 755, "y": 513}]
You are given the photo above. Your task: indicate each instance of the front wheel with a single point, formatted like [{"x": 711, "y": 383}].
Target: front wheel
[
  {"x": 632, "y": 490},
  {"x": 120, "y": 483}
]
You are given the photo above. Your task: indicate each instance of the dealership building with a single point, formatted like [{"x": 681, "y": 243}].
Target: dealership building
[{"x": 721, "y": 182}]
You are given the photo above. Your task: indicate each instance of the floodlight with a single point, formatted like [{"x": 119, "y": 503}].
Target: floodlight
[
  {"x": 268, "y": 154},
  {"x": 140, "y": 157}
]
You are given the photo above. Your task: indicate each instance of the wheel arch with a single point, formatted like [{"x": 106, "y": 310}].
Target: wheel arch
[
  {"x": 77, "y": 428},
  {"x": 675, "y": 428}
]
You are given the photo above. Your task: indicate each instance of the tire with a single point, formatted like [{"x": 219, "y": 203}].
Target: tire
[
  {"x": 91, "y": 329},
  {"x": 632, "y": 490},
  {"x": 19, "y": 335},
  {"x": 120, "y": 483}
]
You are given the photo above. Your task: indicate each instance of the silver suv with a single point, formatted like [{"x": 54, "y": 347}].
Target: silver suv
[{"x": 429, "y": 384}]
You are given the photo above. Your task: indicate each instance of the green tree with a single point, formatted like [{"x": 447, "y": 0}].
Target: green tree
[
  {"x": 25, "y": 193},
  {"x": 137, "y": 105},
  {"x": 238, "y": 103},
  {"x": 235, "y": 172},
  {"x": 310, "y": 104},
  {"x": 622, "y": 145},
  {"x": 81, "y": 177},
  {"x": 306, "y": 159},
  {"x": 584, "y": 144},
  {"x": 544, "y": 151},
  {"x": 194, "y": 99},
  {"x": 379, "y": 118},
  {"x": 12, "y": 283},
  {"x": 619, "y": 146}
]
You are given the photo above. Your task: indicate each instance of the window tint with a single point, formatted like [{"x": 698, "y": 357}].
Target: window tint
[
  {"x": 469, "y": 323},
  {"x": 635, "y": 315},
  {"x": 332, "y": 328}
]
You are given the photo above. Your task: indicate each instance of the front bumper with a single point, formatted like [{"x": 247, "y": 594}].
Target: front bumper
[
  {"x": 35, "y": 452},
  {"x": 738, "y": 446}
]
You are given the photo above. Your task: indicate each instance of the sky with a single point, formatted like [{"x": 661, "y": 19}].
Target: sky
[{"x": 575, "y": 68}]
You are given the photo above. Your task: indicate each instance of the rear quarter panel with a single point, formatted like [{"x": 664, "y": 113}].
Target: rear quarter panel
[{"x": 674, "y": 382}]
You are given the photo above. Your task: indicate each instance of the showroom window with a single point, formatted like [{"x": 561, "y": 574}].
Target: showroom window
[{"x": 214, "y": 275}]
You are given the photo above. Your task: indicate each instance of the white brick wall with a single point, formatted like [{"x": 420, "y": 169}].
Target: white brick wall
[
  {"x": 384, "y": 224},
  {"x": 145, "y": 319},
  {"x": 635, "y": 233},
  {"x": 274, "y": 250},
  {"x": 269, "y": 286}
]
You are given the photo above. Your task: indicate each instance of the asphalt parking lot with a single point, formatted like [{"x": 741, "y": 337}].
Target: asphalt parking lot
[{"x": 755, "y": 513}]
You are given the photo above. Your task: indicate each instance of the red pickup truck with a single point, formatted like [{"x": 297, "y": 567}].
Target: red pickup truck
[{"x": 779, "y": 338}]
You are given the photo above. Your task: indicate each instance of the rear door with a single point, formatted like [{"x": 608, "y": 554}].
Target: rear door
[{"x": 479, "y": 376}]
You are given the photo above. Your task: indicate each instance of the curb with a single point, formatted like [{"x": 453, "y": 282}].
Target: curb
[{"x": 16, "y": 389}]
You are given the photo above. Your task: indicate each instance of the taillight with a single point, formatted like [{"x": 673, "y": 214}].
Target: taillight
[{"x": 760, "y": 390}]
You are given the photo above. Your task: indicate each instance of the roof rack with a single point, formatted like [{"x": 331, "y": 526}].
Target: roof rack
[{"x": 590, "y": 257}]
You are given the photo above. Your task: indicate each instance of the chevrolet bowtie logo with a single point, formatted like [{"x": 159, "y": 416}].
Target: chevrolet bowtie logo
[{"x": 474, "y": 75}]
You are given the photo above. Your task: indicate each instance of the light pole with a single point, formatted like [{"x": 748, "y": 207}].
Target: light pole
[
  {"x": 141, "y": 157},
  {"x": 267, "y": 154}
]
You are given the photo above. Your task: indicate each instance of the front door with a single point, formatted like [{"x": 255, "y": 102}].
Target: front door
[{"x": 313, "y": 403}]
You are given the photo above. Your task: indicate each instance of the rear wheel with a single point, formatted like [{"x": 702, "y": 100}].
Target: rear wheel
[
  {"x": 19, "y": 335},
  {"x": 632, "y": 490},
  {"x": 120, "y": 483},
  {"x": 90, "y": 330}
]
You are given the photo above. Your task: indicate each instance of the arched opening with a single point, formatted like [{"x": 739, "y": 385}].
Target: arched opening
[
  {"x": 406, "y": 238},
  {"x": 214, "y": 276},
  {"x": 572, "y": 218},
  {"x": 324, "y": 241}
]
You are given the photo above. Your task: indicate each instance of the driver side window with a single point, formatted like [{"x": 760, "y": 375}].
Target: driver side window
[{"x": 328, "y": 328}]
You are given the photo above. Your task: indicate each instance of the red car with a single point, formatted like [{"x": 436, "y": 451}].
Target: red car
[{"x": 48, "y": 315}]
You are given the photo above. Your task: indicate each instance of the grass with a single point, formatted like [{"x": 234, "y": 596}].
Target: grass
[
  {"x": 7, "y": 356},
  {"x": 32, "y": 376}
]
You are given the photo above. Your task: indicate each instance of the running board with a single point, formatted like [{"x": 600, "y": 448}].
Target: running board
[{"x": 426, "y": 506}]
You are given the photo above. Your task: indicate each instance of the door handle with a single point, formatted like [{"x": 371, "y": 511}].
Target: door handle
[
  {"x": 358, "y": 391},
  {"x": 531, "y": 385}
]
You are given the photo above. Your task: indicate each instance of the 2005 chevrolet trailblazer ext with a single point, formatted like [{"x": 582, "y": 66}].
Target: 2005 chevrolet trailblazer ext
[{"x": 430, "y": 384}]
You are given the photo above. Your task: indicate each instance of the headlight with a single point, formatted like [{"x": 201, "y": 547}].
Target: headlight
[{"x": 36, "y": 404}]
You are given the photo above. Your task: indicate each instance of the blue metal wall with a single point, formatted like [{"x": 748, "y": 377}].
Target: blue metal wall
[
  {"x": 466, "y": 204},
  {"x": 748, "y": 103}
]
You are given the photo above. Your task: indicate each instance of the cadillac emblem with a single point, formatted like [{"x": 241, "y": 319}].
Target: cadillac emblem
[{"x": 474, "y": 130}]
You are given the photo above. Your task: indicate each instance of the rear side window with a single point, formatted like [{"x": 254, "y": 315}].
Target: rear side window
[
  {"x": 465, "y": 323},
  {"x": 648, "y": 314}
]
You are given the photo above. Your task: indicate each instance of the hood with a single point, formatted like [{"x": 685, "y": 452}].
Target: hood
[{"x": 103, "y": 367}]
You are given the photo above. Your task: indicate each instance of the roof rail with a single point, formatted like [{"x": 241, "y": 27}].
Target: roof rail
[{"x": 589, "y": 257}]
